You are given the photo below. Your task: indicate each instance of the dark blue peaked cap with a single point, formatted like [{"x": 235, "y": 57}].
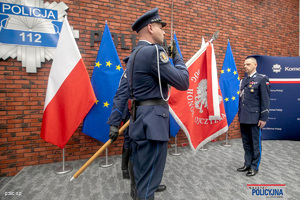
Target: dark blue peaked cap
[{"x": 149, "y": 17}]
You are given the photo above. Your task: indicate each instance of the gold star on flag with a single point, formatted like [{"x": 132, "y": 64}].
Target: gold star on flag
[
  {"x": 235, "y": 72},
  {"x": 228, "y": 69},
  {"x": 98, "y": 64},
  {"x": 97, "y": 101},
  {"x": 222, "y": 71},
  {"x": 119, "y": 67},
  {"x": 108, "y": 63},
  {"x": 226, "y": 99},
  {"x": 238, "y": 78},
  {"x": 106, "y": 104},
  {"x": 233, "y": 98},
  {"x": 238, "y": 92}
]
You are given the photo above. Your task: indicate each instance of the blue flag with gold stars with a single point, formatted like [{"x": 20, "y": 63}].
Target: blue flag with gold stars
[
  {"x": 174, "y": 127},
  {"x": 229, "y": 85},
  {"x": 105, "y": 81}
]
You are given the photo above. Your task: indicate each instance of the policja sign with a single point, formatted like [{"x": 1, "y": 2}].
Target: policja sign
[{"x": 32, "y": 27}]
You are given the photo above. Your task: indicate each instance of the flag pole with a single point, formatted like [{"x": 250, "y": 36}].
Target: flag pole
[
  {"x": 64, "y": 169},
  {"x": 202, "y": 49},
  {"x": 226, "y": 144},
  {"x": 98, "y": 153},
  {"x": 203, "y": 149},
  {"x": 175, "y": 153},
  {"x": 108, "y": 162},
  {"x": 215, "y": 36},
  {"x": 171, "y": 24}
]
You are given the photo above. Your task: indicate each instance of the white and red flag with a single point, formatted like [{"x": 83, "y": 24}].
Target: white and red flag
[
  {"x": 199, "y": 111},
  {"x": 70, "y": 95}
]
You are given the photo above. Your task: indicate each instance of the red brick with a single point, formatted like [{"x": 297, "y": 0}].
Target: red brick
[
  {"x": 24, "y": 94},
  {"x": 8, "y": 170}
]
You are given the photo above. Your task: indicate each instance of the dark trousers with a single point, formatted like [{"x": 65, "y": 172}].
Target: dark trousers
[
  {"x": 251, "y": 137},
  {"x": 149, "y": 159}
]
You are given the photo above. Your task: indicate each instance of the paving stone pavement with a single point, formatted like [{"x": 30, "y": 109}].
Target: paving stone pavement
[{"x": 201, "y": 175}]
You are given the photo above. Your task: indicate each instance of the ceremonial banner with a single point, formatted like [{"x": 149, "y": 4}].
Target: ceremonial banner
[
  {"x": 230, "y": 85},
  {"x": 284, "y": 116},
  {"x": 200, "y": 110},
  {"x": 69, "y": 92},
  {"x": 105, "y": 81}
]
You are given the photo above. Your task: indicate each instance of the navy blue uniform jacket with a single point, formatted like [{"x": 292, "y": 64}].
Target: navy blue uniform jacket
[
  {"x": 120, "y": 109},
  {"x": 152, "y": 122},
  {"x": 254, "y": 102}
]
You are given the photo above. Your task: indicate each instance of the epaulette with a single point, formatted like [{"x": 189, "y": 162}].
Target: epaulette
[{"x": 263, "y": 75}]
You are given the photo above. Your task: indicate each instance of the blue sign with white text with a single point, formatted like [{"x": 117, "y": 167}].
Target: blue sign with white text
[
  {"x": 27, "y": 11},
  {"x": 28, "y": 26},
  {"x": 284, "y": 116}
]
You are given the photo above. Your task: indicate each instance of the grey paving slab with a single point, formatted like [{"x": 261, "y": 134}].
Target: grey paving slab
[{"x": 201, "y": 175}]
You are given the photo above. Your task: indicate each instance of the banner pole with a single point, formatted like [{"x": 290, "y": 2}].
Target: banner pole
[
  {"x": 64, "y": 169},
  {"x": 176, "y": 151},
  {"x": 98, "y": 153}
]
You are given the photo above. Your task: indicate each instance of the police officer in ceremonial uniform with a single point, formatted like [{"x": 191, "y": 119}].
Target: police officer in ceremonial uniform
[
  {"x": 253, "y": 114},
  {"x": 120, "y": 113},
  {"x": 149, "y": 74}
]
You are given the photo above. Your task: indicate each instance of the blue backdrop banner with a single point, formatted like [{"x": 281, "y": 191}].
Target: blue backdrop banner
[{"x": 284, "y": 118}]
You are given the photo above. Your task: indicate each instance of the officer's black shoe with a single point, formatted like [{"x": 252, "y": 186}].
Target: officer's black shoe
[
  {"x": 252, "y": 172},
  {"x": 126, "y": 174},
  {"x": 142, "y": 199},
  {"x": 243, "y": 169},
  {"x": 133, "y": 192},
  {"x": 161, "y": 188}
]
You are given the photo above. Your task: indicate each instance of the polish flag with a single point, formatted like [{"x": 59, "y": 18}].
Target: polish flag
[
  {"x": 199, "y": 111},
  {"x": 70, "y": 95}
]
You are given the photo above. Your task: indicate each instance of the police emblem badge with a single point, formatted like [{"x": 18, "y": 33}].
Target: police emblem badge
[
  {"x": 163, "y": 57},
  {"x": 29, "y": 31}
]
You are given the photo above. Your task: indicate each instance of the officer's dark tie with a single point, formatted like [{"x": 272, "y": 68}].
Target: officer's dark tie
[{"x": 247, "y": 79}]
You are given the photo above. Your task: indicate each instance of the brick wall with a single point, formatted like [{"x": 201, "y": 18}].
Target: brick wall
[{"x": 263, "y": 27}]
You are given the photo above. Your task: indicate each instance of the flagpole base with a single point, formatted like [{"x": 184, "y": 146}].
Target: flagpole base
[
  {"x": 226, "y": 144},
  {"x": 63, "y": 170},
  {"x": 203, "y": 149},
  {"x": 106, "y": 163},
  {"x": 174, "y": 153}
]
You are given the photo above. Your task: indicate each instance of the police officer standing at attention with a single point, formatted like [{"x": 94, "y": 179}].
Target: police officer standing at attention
[
  {"x": 120, "y": 113},
  {"x": 149, "y": 74},
  {"x": 253, "y": 114}
]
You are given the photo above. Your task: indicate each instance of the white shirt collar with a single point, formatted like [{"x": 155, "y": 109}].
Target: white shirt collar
[
  {"x": 146, "y": 41},
  {"x": 252, "y": 74}
]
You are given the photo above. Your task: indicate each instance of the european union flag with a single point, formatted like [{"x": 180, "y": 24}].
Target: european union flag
[
  {"x": 174, "y": 127},
  {"x": 105, "y": 80},
  {"x": 229, "y": 85}
]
